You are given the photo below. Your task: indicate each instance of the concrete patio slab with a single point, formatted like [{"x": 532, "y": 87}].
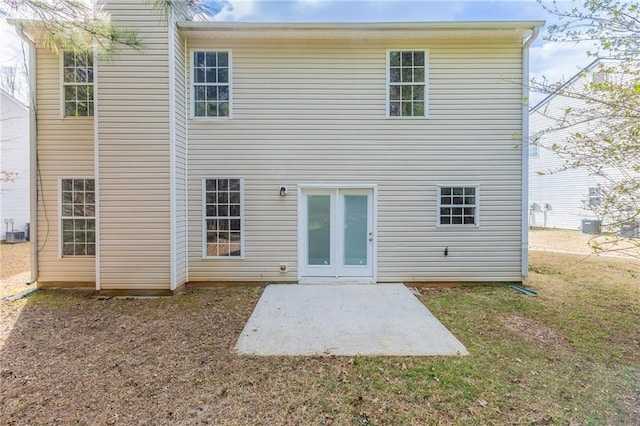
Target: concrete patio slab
[{"x": 379, "y": 319}]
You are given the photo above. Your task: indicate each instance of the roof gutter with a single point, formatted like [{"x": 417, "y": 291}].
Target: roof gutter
[
  {"x": 443, "y": 25},
  {"x": 525, "y": 150},
  {"x": 33, "y": 156},
  {"x": 358, "y": 30}
]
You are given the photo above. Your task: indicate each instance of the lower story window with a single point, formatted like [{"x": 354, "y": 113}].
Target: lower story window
[
  {"x": 458, "y": 205},
  {"x": 223, "y": 217},
  {"x": 78, "y": 210}
]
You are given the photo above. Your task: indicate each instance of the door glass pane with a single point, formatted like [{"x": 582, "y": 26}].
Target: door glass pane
[
  {"x": 319, "y": 228},
  {"x": 355, "y": 230}
]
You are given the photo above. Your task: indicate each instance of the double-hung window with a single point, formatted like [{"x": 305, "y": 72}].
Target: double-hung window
[
  {"x": 595, "y": 196},
  {"x": 78, "y": 210},
  {"x": 458, "y": 205},
  {"x": 407, "y": 83},
  {"x": 77, "y": 84},
  {"x": 223, "y": 217},
  {"x": 211, "y": 84}
]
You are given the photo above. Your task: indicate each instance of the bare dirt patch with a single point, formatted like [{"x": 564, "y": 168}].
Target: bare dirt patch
[
  {"x": 14, "y": 259},
  {"x": 14, "y": 268},
  {"x": 575, "y": 242},
  {"x": 532, "y": 330}
]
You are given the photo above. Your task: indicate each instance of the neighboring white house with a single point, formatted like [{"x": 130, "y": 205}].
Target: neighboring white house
[
  {"x": 14, "y": 160},
  {"x": 239, "y": 153},
  {"x": 561, "y": 199}
]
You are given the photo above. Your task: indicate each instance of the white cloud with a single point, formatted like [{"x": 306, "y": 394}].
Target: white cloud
[
  {"x": 236, "y": 10},
  {"x": 558, "y": 61},
  {"x": 10, "y": 48}
]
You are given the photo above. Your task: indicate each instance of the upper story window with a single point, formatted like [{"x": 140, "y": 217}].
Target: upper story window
[
  {"x": 534, "y": 150},
  {"x": 77, "y": 82},
  {"x": 595, "y": 196},
  {"x": 211, "y": 84},
  {"x": 458, "y": 205},
  {"x": 407, "y": 83}
]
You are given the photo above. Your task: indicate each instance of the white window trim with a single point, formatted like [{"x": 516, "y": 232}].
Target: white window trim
[
  {"x": 477, "y": 205},
  {"x": 192, "y": 106},
  {"x": 60, "y": 236},
  {"x": 426, "y": 83},
  {"x": 203, "y": 210},
  {"x": 62, "y": 84}
]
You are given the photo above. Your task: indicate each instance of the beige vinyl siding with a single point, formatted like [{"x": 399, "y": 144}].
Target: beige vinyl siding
[
  {"x": 65, "y": 150},
  {"x": 314, "y": 111},
  {"x": 180, "y": 209},
  {"x": 134, "y": 155}
]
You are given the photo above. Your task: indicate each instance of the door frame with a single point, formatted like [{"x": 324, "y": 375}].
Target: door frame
[{"x": 302, "y": 237}]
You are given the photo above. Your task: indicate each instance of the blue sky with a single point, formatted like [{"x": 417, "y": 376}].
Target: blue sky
[
  {"x": 376, "y": 10},
  {"x": 549, "y": 59},
  {"x": 552, "y": 60}
]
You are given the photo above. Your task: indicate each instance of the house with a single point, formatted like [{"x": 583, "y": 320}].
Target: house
[
  {"x": 250, "y": 152},
  {"x": 14, "y": 166},
  {"x": 566, "y": 199}
]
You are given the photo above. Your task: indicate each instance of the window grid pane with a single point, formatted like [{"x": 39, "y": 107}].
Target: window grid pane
[
  {"x": 458, "y": 206},
  {"x": 223, "y": 216},
  {"x": 406, "y": 97},
  {"x": 211, "y": 84},
  {"x": 78, "y": 217},
  {"x": 595, "y": 197},
  {"x": 77, "y": 77}
]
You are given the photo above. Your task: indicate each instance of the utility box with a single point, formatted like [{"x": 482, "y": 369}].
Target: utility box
[
  {"x": 15, "y": 237},
  {"x": 630, "y": 230},
  {"x": 591, "y": 226}
]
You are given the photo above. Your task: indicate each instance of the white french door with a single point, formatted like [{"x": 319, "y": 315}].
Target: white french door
[{"x": 337, "y": 237}]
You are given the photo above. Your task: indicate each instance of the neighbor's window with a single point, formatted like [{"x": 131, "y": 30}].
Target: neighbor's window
[
  {"x": 458, "y": 205},
  {"x": 223, "y": 217},
  {"x": 78, "y": 217},
  {"x": 534, "y": 151},
  {"x": 407, "y": 85},
  {"x": 595, "y": 197},
  {"x": 77, "y": 82},
  {"x": 211, "y": 84}
]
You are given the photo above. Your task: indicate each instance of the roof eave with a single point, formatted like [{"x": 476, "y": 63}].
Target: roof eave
[{"x": 493, "y": 29}]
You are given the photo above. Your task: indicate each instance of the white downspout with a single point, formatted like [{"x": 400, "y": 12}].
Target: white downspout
[
  {"x": 525, "y": 150},
  {"x": 173, "y": 238},
  {"x": 186, "y": 166},
  {"x": 33, "y": 157},
  {"x": 96, "y": 160}
]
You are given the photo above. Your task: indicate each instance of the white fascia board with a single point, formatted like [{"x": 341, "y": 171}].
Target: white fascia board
[{"x": 390, "y": 30}]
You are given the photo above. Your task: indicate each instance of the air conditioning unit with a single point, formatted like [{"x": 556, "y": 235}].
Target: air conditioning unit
[
  {"x": 591, "y": 226},
  {"x": 630, "y": 230},
  {"x": 14, "y": 237}
]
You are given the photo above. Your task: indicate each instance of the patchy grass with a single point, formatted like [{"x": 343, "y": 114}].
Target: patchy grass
[{"x": 568, "y": 356}]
